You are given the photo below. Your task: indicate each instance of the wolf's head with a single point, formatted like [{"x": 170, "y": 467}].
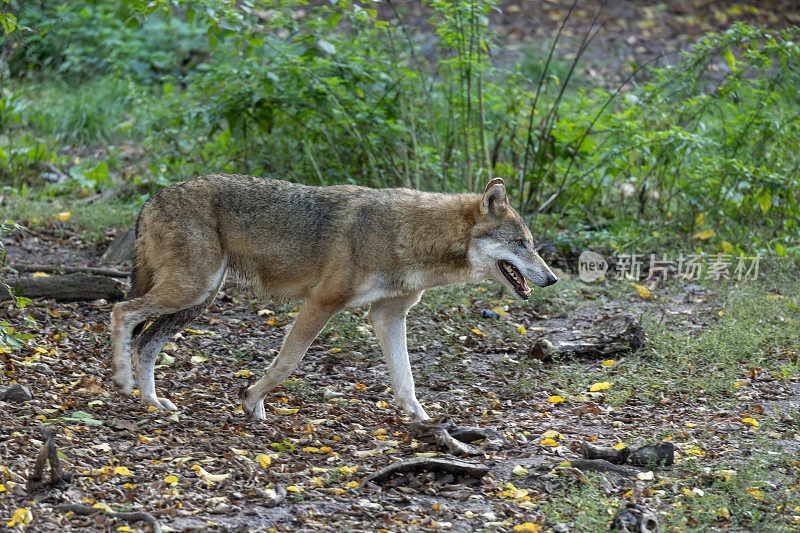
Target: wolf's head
[{"x": 501, "y": 246}]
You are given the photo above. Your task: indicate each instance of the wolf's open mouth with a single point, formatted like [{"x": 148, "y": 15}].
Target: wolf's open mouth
[{"x": 516, "y": 278}]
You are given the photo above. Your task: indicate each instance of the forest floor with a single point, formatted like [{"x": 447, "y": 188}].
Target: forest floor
[{"x": 717, "y": 378}]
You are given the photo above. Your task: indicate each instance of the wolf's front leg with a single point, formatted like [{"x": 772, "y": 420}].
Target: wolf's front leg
[
  {"x": 388, "y": 319},
  {"x": 310, "y": 320}
]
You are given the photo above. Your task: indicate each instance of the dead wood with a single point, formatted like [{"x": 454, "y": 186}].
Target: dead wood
[
  {"x": 610, "y": 335},
  {"x": 50, "y": 269},
  {"x": 417, "y": 464},
  {"x": 65, "y": 288},
  {"x": 121, "y": 248},
  {"x": 612, "y": 455},
  {"x": 48, "y": 452},
  {"x": 442, "y": 432},
  {"x": 601, "y": 465},
  {"x": 85, "y": 510}
]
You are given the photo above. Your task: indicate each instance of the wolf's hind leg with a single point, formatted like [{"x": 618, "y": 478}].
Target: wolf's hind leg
[
  {"x": 388, "y": 319},
  {"x": 148, "y": 345},
  {"x": 310, "y": 320},
  {"x": 174, "y": 292}
]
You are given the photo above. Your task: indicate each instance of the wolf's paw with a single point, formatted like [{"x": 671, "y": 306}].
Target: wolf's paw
[
  {"x": 254, "y": 409},
  {"x": 124, "y": 384},
  {"x": 162, "y": 404}
]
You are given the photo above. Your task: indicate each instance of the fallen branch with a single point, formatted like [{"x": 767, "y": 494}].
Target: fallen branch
[
  {"x": 50, "y": 269},
  {"x": 48, "y": 452},
  {"x": 64, "y": 288},
  {"x": 601, "y": 465},
  {"x": 454, "y": 439},
  {"x": 453, "y": 466},
  {"x": 85, "y": 510},
  {"x": 612, "y": 455}
]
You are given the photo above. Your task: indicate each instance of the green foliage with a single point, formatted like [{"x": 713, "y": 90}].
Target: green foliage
[
  {"x": 9, "y": 338},
  {"x": 333, "y": 93}
]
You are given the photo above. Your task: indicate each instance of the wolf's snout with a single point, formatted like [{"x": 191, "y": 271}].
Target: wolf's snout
[{"x": 550, "y": 279}]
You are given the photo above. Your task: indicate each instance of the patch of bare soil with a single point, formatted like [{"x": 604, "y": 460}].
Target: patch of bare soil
[{"x": 205, "y": 468}]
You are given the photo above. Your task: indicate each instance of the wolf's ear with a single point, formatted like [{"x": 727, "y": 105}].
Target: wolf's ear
[{"x": 494, "y": 200}]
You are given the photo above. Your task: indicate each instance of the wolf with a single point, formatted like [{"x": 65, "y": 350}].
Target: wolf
[{"x": 333, "y": 247}]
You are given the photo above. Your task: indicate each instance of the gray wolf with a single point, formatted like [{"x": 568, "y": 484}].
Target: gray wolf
[{"x": 333, "y": 247}]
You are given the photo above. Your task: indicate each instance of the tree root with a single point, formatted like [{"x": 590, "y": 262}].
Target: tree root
[
  {"x": 453, "y": 466},
  {"x": 85, "y": 510}
]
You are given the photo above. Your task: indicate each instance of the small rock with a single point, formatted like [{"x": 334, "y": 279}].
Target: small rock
[
  {"x": 17, "y": 394},
  {"x": 488, "y": 313},
  {"x": 329, "y": 394},
  {"x": 635, "y": 518}
]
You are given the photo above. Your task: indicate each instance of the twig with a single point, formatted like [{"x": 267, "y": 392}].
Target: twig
[
  {"x": 85, "y": 510},
  {"x": 48, "y": 452},
  {"x": 453, "y": 466},
  {"x": 100, "y": 271}
]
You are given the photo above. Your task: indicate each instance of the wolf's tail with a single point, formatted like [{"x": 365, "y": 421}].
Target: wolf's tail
[{"x": 141, "y": 274}]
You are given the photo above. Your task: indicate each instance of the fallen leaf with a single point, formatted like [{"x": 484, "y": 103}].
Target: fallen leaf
[
  {"x": 644, "y": 292},
  {"x": 519, "y": 471},
  {"x": 21, "y": 516},
  {"x": 284, "y": 411},
  {"x": 556, "y": 399},
  {"x": 63, "y": 215},
  {"x": 208, "y": 476},
  {"x": 40, "y": 275},
  {"x": 645, "y": 476},
  {"x": 527, "y": 526},
  {"x": 171, "y": 479},
  {"x": 600, "y": 386},
  {"x": 122, "y": 471},
  {"x": 753, "y": 422},
  {"x": 705, "y": 234}
]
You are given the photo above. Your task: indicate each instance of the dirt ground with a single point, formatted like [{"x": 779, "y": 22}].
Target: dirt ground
[{"x": 205, "y": 468}]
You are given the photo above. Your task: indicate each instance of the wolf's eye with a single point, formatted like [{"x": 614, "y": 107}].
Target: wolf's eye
[{"x": 520, "y": 243}]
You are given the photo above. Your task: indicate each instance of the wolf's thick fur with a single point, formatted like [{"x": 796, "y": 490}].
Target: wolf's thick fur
[{"x": 333, "y": 247}]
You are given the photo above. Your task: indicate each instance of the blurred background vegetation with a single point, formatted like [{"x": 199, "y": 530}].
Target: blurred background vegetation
[{"x": 103, "y": 102}]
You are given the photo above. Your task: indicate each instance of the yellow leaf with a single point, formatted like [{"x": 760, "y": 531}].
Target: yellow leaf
[
  {"x": 727, "y": 248},
  {"x": 103, "y": 506},
  {"x": 41, "y": 275},
  {"x": 556, "y": 399},
  {"x": 352, "y": 484},
  {"x": 283, "y": 411},
  {"x": 527, "y": 526},
  {"x": 600, "y": 386},
  {"x": 129, "y": 486},
  {"x": 705, "y": 234},
  {"x": 645, "y": 476},
  {"x": 644, "y": 292},
  {"x": 3, "y": 488},
  {"x": 62, "y": 216},
  {"x": 244, "y": 373},
  {"x": 521, "y": 330},
  {"x": 208, "y": 476},
  {"x": 476, "y": 331},
  {"x": 197, "y": 359},
  {"x": 294, "y": 488},
  {"x": 549, "y": 442},
  {"x": 620, "y": 446},
  {"x": 552, "y": 434},
  {"x": 469, "y": 514},
  {"x": 237, "y": 451},
  {"x": 21, "y": 516},
  {"x": 263, "y": 312},
  {"x": 727, "y": 475},
  {"x": 124, "y": 528},
  {"x": 171, "y": 479},
  {"x": 264, "y": 460},
  {"x": 698, "y": 220},
  {"x": 689, "y": 425},
  {"x": 519, "y": 471},
  {"x": 608, "y": 363},
  {"x": 122, "y": 471},
  {"x": 757, "y": 493},
  {"x": 500, "y": 311},
  {"x": 381, "y": 404}
]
